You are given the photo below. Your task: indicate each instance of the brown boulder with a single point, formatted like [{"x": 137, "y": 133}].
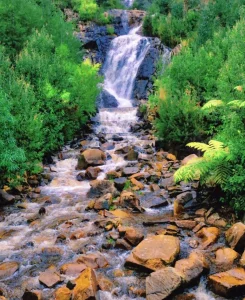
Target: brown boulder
[
  {"x": 72, "y": 269},
  {"x": 137, "y": 183},
  {"x": 92, "y": 172},
  {"x": 242, "y": 260},
  {"x": 100, "y": 188},
  {"x": 49, "y": 278},
  {"x": 103, "y": 202},
  {"x": 129, "y": 199},
  {"x": 229, "y": 283},
  {"x": 93, "y": 260},
  {"x": 32, "y": 295},
  {"x": 8, "y": 269},
  {"x": 134, "y": 236},
  {"x": 188, "y": 159},
  {"x": 132, "y": 155},
  {"x": 91, "y": 157},
  {"x": 186, "y": 224},
  {"x": 5, "y": 198},
  {"x": 154, "y": 252},
  {"x": 225, "y": 257},
  {"x": 208, "y": 235},
  {"x": 162, "y": 283},
  {"x": 235, "y": 236},
  {"x": 86, "y": 286},
  {"x": 192, "y": 267},
  {"x": 63, "y": 293},
  {"x": 105, "y": 283}
]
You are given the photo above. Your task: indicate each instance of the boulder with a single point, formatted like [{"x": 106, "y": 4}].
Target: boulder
[
  {"x": 208, "y": 235},
  {"x": 137, "y": 183},
  {"x": 192, "y": 267},
  {"x": 50, "y": 278},
  {"x": 235, "y": 236},
  {"x": 186, "y": 224},
  {"x": 185, "y": 197},
  {"x": 93, "y": 260},
  {"x": 128, "y": 171},
  {"x": 72, "y": 269},
  {"x": 86, "y": 286},
  {"x": 122, "y": 244},
  {"x": 225, "y": 257},
  {"x": 62, "y": 293},
  {"x": 33, "y": 295},
  {"x": 242, "y": 260},
  {"x": 5, "y": 198},
  {"x": 132, "y": 155},
  {"x": 105, "y": 283},
  {"x": 120, "y": 183},
  {"x": 100, "y": 188},
  {"x": 103, "y": 202},
  {"x": 133, "y": 236},
  {"x": 129, "y": 199},
  {"x": 154, "y": 252},
  {"x": 90, "y": 157},
  {"x": 92, "y": 172},
  {"x": 162, "y": 283},
  {"x": 229, "y": 283},
  {"x": 153, "y": 200},
  {"x": 7, "y": 269},
  {"x": 188, "y": 159}
]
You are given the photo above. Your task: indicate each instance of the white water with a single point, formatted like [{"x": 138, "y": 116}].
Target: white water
[{"x": 122, "y": 63}]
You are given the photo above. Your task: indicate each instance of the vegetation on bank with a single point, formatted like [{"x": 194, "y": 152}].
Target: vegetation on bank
[
  {"x": 47, "y": 92},
  {"x": 195, "y": 94}
]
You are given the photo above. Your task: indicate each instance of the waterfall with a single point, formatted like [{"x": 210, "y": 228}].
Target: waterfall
[{"x": 122, "y": 63}]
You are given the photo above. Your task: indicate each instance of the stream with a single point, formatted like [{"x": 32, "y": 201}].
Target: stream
[{"x": 66, "y": 229}]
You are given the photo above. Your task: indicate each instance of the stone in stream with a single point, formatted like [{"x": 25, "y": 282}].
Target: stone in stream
[
  {"x": 229, "y": 283},
  {"x": 242, "y": 260},
  {"x": 7, "y": 269},
  {"x": 63, "y": 293},
  {"x": 93, "y": 260},
  {"x": 117, "y": 138},
  {"x": 104, "y": 282},
  {"x": 90, "y": 157},
  {"x": 132, "y": 155},
  {"x": 128, "y": 171},
  {"x": 86, "y": 286},
  {"x": 225, "y": 257},
  {"x": 154, "y": 253},
  {"x": 235, "y": 236},
  {"x": 120, "y": 183},
  {"x": 72, "y": 269},
  {"x": 208, "y": 235},
  {"x": 5, "y": 198},
  {"x": 129, "y": 199},
  {"x": 122, "y": 244},
  {"x": 188, "y": 159},
  {"x": 133, "y": 236},
  {"x": 103, "y": 202},
  {"x": 100, "y": 188},
  {"x": 92, "y": 172},
  {"x": 33, "y": 295},
  {"x": 153, "y": 200},
  {"x": 162, "y": 283},
  {"x": 50, "y": 277}
]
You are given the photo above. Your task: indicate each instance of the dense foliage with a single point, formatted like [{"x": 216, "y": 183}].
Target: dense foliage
[
  {"x": 47, "y": 92},
  {"x": 209, "y": 65}
]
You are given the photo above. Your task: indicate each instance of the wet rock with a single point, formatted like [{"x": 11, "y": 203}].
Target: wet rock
[
  {"x": 113, "y": 175},
  {"x": 133, "y": 236},
  {"x": 103, "y": 202},
  {"x": 208, "y": 235},
  {"x": 6, "y": 198},
  {"x": 185, "y": 297},
  {"x": 63, "y": 293},
  {"x": 129, "y": 199},
  {"x": 104, "y": 283},
  {"x": 199, "y": 227},
  {"x": 122, "y": 244},
  {"x": 100, "y": 188},
  {"x": 193, "y": 244},
  {"x": 185, "y": 197},
  {"x": 120, "y": 183},
  {"x": 50, "y": 278},
  {"x": 93, "y": 260},
  {"x": 78, "y": 234},
  {"x": 216, "y": 220},
  {"x": 72, "y": 269},
  {"x": 178, "y": 208},
  {"x": 107, "y": 100},
  {"x": 201, "y": 212},
  {"x": 86, "y": 286},
  {"x": 166, "y": 182},
  {"x": 91, "y": 157},
  {"x": 132, "y": 155},
  {"x": 186, "y": 224},
  {"x": 92, "y": 172},
  {"x": 171, "y": 157},
  {"x": 225, "y": 257},
  {"x": 32, "y": 295},
  {"x": 117, "y": 138},
  {"x": 188, "y": 159},
  {"x": 229, "y": 283},
  {"x": 153, "y": 200},
  {"x": 154, "y": 252},
  {"x": 128, "y": 171},
  {"x": 137, "y": 183},
  {"x": 192, "y": 267},
  {"x": 242, "y": 260},
  {"x": 8, "y": 269},
  {"x": 235, "y": 236},
  {"x": 162, "y": 283}
]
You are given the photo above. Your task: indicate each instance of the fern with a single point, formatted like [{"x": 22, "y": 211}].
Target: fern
[
  {"x": 212, "y": 168},
  {"x": 212, "y": 104}
]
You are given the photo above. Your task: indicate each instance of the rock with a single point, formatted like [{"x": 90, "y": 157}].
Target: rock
[
  {"x": 216, "y": 220},
  {"x": 100, "y": 188},
  {"x": 242, "y": 260},
  {"x": 113, "y": 175},
  {"x": 63, "y": 293},
  {"x": 103, "y": 202},
  {"x": 7, "y": 269},
  {"x": 137, "y": 183},
  {"x": 128, "y": 171},
  {"x": 235, "y": 236},
  {"x": 153, "y": 200},
  {"x": 93, "y": 260},
  {"x": 91, "y": 157},
  {"x": 120, "y": 183},
  {"x": 185, "y": 197},
  {"x": 117, "y": 138},
  {"x": 178, "y": 208},
  {"x": 188, "y": 159},
  {"x": 86, "y": 286},
  {"x": 134, "y": 236},
  {"x": 229, "y": 283},
  {"x": 78, "y": 234},
  {"x": 186, "y": 224},
  {"x": 154, "y": 252},
  {"x": 192, "y": 267},
  {"x": 166, "y": 182},
  {"x": 129, "y": 199},
  {"x": 72, "y": 269},
  {"x": 170, "y": 157},
  {"x": 118, "y": 213},
  {"x": 193, "y": 244},
  {"x": 225, "y": 257},
  {"x": 5, "y": 198},
  {"x": 49, "y": 278},
  {"x": 106, "y": 100},
  {"x": 199, "y": 227},
  {"x": 132, "y": 155},
  {"x": 92, "y": 172},
  {"x": 208, "y": 235},
  {"x": 201, "y": 212},
  {"x": 162, "y": 283},
  {"x": 32, "y": 295},
  {"x": 105, "y": 283},
  {"x": 122, "y": 244}
]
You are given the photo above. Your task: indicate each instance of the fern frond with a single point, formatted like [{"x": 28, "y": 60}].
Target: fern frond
[
  {"x": 216, "y": 145},
  {"x": 235, "y": 103},
  {"x": 212, "y": 104},
  {"x": 199, "y": 146}
]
